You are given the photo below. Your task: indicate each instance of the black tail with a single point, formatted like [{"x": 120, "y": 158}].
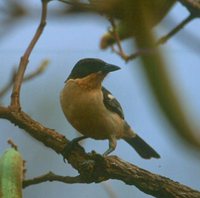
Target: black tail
[{"x": 143, "y": 149}]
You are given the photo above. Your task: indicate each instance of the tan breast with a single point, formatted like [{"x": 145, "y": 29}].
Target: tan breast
[{"x": 87, "y": 113}]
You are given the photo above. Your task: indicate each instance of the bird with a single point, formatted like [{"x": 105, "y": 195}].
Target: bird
[{"x": 94, "y": 112}]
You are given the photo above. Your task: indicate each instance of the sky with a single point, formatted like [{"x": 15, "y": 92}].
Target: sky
[{"x": 65, "y": 41}]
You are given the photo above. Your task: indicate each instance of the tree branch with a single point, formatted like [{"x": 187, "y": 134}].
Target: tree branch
[
  {"x": 52, "y": 177},
  {"x": 15, "y": 97},
  {"x": 5, "y": 89},
  {"x": 28, "y": 77},
  {"x": 141, "y": 52},
  {"x": 120, "y": 50},
  {"x": 95, "y": 168},
  {"x": 42, "y": 67},
  {"x": 116, "y": 36},
  {"x": 4, "y": 111},
  {"x": 179, "y": 27}
]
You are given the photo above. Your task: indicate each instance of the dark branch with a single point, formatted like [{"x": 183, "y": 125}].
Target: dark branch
[
  {"x": 52, "y": 177},
  {"x": 179, "y": 27}
]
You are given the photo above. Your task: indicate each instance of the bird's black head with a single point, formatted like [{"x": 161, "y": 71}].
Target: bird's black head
[{"x": 87, "y": 66}]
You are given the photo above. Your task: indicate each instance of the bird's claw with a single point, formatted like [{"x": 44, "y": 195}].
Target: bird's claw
[{"x": 68, "y": 148}]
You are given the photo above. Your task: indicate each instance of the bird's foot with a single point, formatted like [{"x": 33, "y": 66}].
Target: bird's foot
[{"x": 69, "y": 147}]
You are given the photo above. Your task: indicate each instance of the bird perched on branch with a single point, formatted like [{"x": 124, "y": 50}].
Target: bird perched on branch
[{"x": 94, "y": 112}]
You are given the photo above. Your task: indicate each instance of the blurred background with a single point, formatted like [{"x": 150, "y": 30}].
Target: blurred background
[{"x": 70, "y": 37}]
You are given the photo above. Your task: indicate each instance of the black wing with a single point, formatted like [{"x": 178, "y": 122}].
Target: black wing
[{"x": 111, "y": 103}]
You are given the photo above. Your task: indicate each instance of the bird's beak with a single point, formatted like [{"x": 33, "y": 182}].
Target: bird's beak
[{"x": 110, "y": 68}]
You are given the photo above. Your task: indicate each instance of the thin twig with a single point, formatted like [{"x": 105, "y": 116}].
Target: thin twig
[
  {"x": 116, "y": 36},
  {"x": 42, "y": 67},
  {"x": 179, "y": 27},
  {"x": 120, "y": 50},
  {"x": 52, "y": 177},
  {"x": 12, "y": 144},
  {"x": 27, "y": 77},
  {"x": 140, "y": 52},
  {"x": 15, "y": 97},
  {"x": 5, "y": 89}
]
